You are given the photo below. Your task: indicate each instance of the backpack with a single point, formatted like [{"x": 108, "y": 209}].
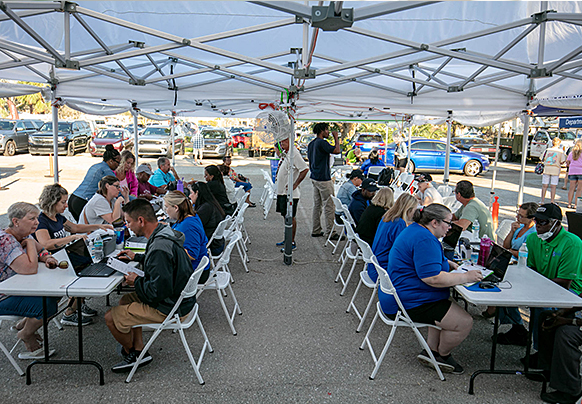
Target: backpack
[{"x": 386, "y": 176}]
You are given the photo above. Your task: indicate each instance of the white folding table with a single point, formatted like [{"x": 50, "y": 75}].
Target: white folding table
[
  {"x": 524, "y": 287},
  {"x": 58, "y": 283}
]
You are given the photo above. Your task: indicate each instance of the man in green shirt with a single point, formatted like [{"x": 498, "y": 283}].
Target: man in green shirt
[
  {"x": 473, "y": 210},
  {"x": 556, "y": 254}
]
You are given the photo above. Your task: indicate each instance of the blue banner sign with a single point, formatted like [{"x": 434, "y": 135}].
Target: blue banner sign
[{"x": 571, "y": 122}]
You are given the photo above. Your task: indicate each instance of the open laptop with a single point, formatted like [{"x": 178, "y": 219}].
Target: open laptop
[
  {"x": 83, "y": 263},
  {"x": 496, "y": 265},
  {"x": 452, "y": 237}
]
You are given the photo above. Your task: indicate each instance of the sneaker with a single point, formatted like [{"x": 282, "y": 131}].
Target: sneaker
[
  {"x": 279, "y": 244},
  {"x": 533, "y": 362},
  {"x": 517, "y": 335},
  {"x": 425, "y": 360},
  {"x": 129, "y": 361},
  {"x": 293, "y": 247},
  {"x": 334, "y": 237},
  {"x": 457, "y": 369},
  {"x": 320, "y": 234},
  {"x": 559, "y": 397},
  {"x": 72, "y": 319},
  {"x": 88, "y": 311},
  {"x": 38, "y": 354}
]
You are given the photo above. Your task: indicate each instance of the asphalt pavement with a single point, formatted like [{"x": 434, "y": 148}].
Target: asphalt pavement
[{"x": 295, "y": 342}]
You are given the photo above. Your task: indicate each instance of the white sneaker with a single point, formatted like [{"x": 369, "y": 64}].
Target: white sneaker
[{"x": 38, "y": 354}]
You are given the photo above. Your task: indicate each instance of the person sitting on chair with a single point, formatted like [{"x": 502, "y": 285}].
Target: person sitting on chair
[
  {"x": 239, "y": 179},
  {"x": 373, "y": 160},
  {"x": 380, "y": 203},
  {"x": 361, "y": 198},
  {"x": 105, "y": 206},
  {"x": 427, "y": 194},
  {"x": 166, "y": 268},
  {"x": 162, "y": 176},
  {"x": 354, "y": 157}
]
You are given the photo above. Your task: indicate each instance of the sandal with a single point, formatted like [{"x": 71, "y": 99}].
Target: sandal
[{"x": 252, "y": 205}]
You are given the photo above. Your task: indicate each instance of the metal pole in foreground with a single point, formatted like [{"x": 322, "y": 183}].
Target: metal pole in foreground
[
  {"x": 172, "y": 140},
  {"x": 448, "y": 151},
  {"x": 492, "y": 191},
  {"x": 288, "y": 255},
  {"x": 523, "y": 158},
  {"x": 55, "y": 111},
  {"x": 135, "y": 141}
]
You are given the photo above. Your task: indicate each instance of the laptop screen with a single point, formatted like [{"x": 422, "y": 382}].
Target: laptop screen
[
  {"x": 452, "y": 237},
  {"x": 498, "y": 260},
  {"x": 79, "y": 255}
]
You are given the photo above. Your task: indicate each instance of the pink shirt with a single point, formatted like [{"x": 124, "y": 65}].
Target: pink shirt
[{"x": 575, "y": 167}]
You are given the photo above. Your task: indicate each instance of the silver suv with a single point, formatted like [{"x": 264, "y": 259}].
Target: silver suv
[
  {"x": 217, "y": 142},
  {"x": 156, "y": 140},
  {"x": 14, "y": 135}
]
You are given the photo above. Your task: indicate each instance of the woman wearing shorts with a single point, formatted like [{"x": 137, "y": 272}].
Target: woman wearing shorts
[
  {"x": 420, "y": 274},
  {"x": 575, "y": 173},
  {"x": 553, "y": 159}
]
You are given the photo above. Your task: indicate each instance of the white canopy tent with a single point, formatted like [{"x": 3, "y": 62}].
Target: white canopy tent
[{"x": 468, "y": 61}]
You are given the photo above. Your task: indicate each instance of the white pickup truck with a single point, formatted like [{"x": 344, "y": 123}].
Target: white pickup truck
[{"x": 543, "y": 140}]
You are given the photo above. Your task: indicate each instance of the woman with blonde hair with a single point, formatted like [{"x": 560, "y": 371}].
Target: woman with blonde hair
[
  {"x": 380, "y": 203},
  {"x": 125, "y": 172},
  {"x": 553, "y": 158},
  {"x": 574, "y": 163},
  {"x": 393, "y": 222},
  {"x": 178, "y": 207}
]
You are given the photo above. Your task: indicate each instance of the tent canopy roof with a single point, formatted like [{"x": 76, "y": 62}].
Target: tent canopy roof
[{"x": 225, "y": 57}]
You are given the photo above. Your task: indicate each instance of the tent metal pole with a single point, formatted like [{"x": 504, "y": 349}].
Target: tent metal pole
[
  {"x": 492, "y": 191},
  {"x": 135, "y": 141},
  {"x": 55, "y": 111},
  {"x": 524, "y": 150},
  {"x": 172, "y": 140},
  {"x": 67, "y": 23},
  {"x": 448, "y": 150},
  {"x": 288, "y": 255},
  {"x": 409, "y": 157},
  {"x": 386, "y": 145}
]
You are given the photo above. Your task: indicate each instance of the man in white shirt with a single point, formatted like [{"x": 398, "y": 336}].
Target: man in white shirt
[{"x": 300, "y": 170}]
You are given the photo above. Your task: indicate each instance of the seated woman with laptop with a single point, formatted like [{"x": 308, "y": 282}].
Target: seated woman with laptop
[
  {"x": 51, "y": 233},
  {"x": 105, "y": 206},
  {"x": 20, "y": 254},
  {"x": 420, "y": 274}
]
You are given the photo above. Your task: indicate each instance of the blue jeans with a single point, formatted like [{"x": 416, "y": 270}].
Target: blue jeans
[
  {"x": 28, "y": 306},
  {"x": 246, "y": 185},
  {"x": 534, "y": 319},
  {"x": 509, "y": 315}
]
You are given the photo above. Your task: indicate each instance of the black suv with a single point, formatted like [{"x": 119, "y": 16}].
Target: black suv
[
  {"x": 14, "y": 135},
  {"x": 72, "y": 137}
]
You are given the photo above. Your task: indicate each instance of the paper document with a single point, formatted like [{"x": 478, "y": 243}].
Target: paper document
[
  {"x": 90, "y": 283},
  {"x": 100, "y": 232},
  {"x": 123, "y": 267},
  {"x": 135, "y": 245},
  {"x": 467, "y": 266}
]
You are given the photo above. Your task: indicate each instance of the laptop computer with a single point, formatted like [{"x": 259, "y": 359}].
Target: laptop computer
[
  {"x": 83, "y": 263},
  {"x": 495, "y": 267},
  {"x": 452, "y": 237}
]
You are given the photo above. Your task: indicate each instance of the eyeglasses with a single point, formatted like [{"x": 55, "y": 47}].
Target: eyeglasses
[
  {"x": 520, "y": 216},
  {"x": 116, "y": 186},
  {"x": 541, "y": 222},
  {"x": 447, "y": 222}
]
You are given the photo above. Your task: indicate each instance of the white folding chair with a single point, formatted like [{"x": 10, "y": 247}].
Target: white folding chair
[
  {"x": 452, "y": 203},
  {"x": 237, "y": 225},
  {"x": 268, "y": 203},
  {"x": 5, "y": 350},
  {"x": 352, "y": 252},
  {"x": 401, "y": 320},
  {"x": 219, "y": 280},
  {"x": 368, "y": 257},
  {"x": 173, "y": 322},
  {"x": 339, "y": 226},
  {"x": 375, "y": 171},
  {"x": 503, "y": 230},
  {"x": 445, "y": 190},
  {"x": 395, "y": 179},
  {"x": 346, "y": 213},
  {"x": 218, "y": 235}
]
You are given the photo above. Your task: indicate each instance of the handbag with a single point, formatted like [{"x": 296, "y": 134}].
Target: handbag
[{"x": 539, "y": 168}]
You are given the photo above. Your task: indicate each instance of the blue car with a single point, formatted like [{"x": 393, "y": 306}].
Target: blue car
[
  {"x": 367, "y": 141},
  {"x": 429, "y": 155}
]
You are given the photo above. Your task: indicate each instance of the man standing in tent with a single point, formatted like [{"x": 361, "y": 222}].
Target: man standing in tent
[{"x": 318, "y": 153}]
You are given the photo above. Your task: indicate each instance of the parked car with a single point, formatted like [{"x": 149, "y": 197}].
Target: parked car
[
  {"x": 475, "y": 145},
  {"x": 120, "y": 139},
  {"x": 73, "y": 136},
  {"x": 543, "y": 139},
  {"x": 238, "y": 129},
  {"x": 216, "y": 142},
  {"x": 156, "y": 140},
  {"x": 302, "y": 143},
  {"x": 14, "y": 136},
  {"x": 367, "y": 141},
  {"x": 429, "y": 155},
  {"x": 140, "y": 129},
  {"x": 242, "y": 140}
]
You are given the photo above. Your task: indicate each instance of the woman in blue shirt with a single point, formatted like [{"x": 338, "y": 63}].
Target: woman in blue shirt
[
  {"x": 393, "y": 222},
  {"x": 90, "y": 184},
  {"x": 420, "y": 274},
  {"x": 373, "y": 160},
  {"x": 522, "y": 227},
  {"x": 178, "y": 207}
]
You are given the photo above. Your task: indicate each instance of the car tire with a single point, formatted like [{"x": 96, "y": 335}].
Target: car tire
[
  {"x": 10, "y": 148},
  {"x": 88, "y": 146},
  {"x": 241, "y": 145},
  {"x": 505, "y": 155},
  {"x": 472, "y": 168},
  {"x": 412, "y": 166},
  {"x": 71, "y": 149}
]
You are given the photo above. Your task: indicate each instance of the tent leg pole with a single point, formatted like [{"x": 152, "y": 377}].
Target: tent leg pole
[
  {"x": 448, "y": 150},
  {"x": 492, "y": 191},
  {"x": 523, "y": 158},
  {"x": 55, "y": 111},
  {"x": 135, "y": 142}
]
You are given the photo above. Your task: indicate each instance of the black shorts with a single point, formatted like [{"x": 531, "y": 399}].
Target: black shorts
[
  {"x": 428, "y": 313},
  {"x": 282, "y": 205},
  {"x": 400, "y": 163}
]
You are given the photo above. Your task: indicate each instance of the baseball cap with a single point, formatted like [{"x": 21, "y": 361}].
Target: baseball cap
[
  {"x": 548, "y": 211},
  {"x": 143, "y": 168},
  {"x": 422, "y": 178},
  {"x": 370, "y": 185},
  {"x": 356, "y": 174}
]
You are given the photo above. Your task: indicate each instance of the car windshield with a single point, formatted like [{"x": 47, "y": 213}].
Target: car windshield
[
  {"x": 306, "y": 138},
  {"x": 370, "y": 138},
  {"x": 159, "y": 130},
  {"x": 213, "y": 134},
  {"x": 109, "y": 134},
  {"x": 63, "y": 127},
  {"x": 6, "y": 125}
]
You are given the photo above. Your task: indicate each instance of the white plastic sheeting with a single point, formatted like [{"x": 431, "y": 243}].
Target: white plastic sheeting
[{"x": 15, "y": 90}]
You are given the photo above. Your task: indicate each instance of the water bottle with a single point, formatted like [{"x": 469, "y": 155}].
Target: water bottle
[
  {"x": 485, "y": 249},
  {"x": 522, "y": 256},
  {"x": 180, "y": 185},
  {"x": 98, "y": 246},
  {"x": 476, "y": 228},
  {"x": 91, "y": 247}
]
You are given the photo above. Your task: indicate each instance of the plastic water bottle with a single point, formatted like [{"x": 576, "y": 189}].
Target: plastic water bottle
[
  {"x": 522, "y": 256},
  {"x": 476, "y": 228},
  {"x": 91, "y": 247},
  {"x": 98, "y": 248},
  {"x": 180, "y": 185}
]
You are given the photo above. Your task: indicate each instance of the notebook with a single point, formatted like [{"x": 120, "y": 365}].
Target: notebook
[{"x": 83, "y": 263}]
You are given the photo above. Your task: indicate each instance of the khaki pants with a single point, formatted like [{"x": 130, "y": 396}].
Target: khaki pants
[{"x": 322, "y": 192}]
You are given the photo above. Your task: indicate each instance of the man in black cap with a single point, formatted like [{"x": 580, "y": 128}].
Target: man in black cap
[
  {"x": 427, "y": 194},
  {"x": 347, "y": 189},
  {"x": 556, "y": 254},
  {"x": 361, "y": 198}
]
